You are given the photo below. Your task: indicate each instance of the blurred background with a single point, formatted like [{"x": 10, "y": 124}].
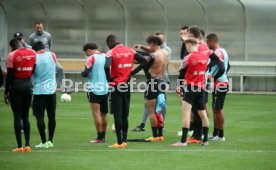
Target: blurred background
[{"x": 246, "y": 29}]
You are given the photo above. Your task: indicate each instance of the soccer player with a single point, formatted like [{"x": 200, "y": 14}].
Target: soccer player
[
  {"x": 45, "y": 37},
  {"x": 44, "y": 90},
  {"x": 156, "y": 83},
  {"x": 220, "y": 88},
  {"x": 159, "y": 34},
  {"x": 121, "y": 59},
  {"x": 18, "y": 90},
  {"x": 97, "y": 89},
  {"x": 194, "y": 68},
  {"x": 196, "y": 33}
]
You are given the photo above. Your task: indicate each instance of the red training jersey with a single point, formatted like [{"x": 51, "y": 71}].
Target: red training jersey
[
  {"x": 202, "y": 47},
  {"x": 196, "y": 64},
  {"x": 122, "y": 63},
  {"x": 22, "y": 62}
]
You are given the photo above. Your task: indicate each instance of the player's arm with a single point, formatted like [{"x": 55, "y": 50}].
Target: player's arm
[
  {"x": 145, "y": 48},
  {"x": 184, "y": 52},
  {"x": 50, "y": 41},
  {"x": 228, "y": 67},
  {"x": 142, "y": 63},
  {"x": 88, "y": 67},
  {"x": 9, "y": 80},
  {"x": 34, "y": 69},
  {"x": 108, "y": 62},
  {"x": 183, "y": 68},
  {"x": 182, "y": 72},
  {"x": 215, "y": 61}
]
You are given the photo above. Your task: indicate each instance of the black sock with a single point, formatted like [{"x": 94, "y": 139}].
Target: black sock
[
  {"x": 160, "y": 131},
  {"x": 100, "y": 135},
  {"x": 184, "y": 135},
  {"x": 205, "y": 133},
  {"x": 220, "y": 133},
  {"x": 142, "y": 125},
  {"x": 154, "y": 131},
  {"x": 192, "y": 126},
  {"x": 215, "y": 133},
  {"x": 125, "y": 137},
  {"x": 103, "y": 134},
  {"x": 119, "y": 137}
]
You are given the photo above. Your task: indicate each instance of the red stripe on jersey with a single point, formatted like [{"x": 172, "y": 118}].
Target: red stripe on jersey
[
  {"x": 90, "y": 61},
  {"x": 122, "y": 63},
  {"x": 219, "y": 53}
]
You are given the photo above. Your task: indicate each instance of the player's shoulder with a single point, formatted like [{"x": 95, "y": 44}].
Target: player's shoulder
[
  {"x": 109, "y": 53},
  {"x": 32, "y": 36},
  {"x": 29, "y": 50},
  {"x": 11, "y": 54},
  {"x": 47, "y": 34}
]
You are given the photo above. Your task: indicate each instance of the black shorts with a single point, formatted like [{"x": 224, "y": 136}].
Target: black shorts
[
  {"x": 120, "y": 101},
  {"x": 219, "y": 94},
  {"x": 155, "y": 87},
  {"x": 195, "y": 96},
  {"x": 205, "y": 97},
  {"x": 100, "y": 99}
]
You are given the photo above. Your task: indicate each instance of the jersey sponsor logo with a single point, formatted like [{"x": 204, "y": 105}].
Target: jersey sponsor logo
[
  {"x": 24, "y": 69},
  {"x": 199, "y": 73},
  {"x": 127, "y": 65},
  {"x": 203, "y": 61},
  {"x": 28, "y": 57},
  {"x": 122, "y": 55},
  {"x": 126, "y": 54}
]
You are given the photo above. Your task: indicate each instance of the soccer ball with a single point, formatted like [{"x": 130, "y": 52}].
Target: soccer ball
[{"x": 65, "y": 98}]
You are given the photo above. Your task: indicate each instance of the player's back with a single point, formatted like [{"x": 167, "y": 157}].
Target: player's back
[
  {"x": 160, "y": 63},
  {"x": 23, "y": 61},
  {"x": 45, "y": 73},
  {"x": 122, "y": 63},
  {"x": 195, "y": 74}
]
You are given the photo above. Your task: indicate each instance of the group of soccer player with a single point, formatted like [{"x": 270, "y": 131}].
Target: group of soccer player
[
  {"x": 204, "y": 65},
  {"x": 109, "y": 76},
  {"x": 31, "y": 81}
]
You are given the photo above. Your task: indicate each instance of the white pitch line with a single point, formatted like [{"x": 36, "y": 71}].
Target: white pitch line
[
  {"x": 143, "y": 150},
  {"x": 256, "y": 122}
]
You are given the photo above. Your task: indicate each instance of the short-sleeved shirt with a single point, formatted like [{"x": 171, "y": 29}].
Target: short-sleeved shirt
[
  {"x": 196, "y": 64},
  {"x": 122, "y": 63},
  {"x": 22, "y": 62}
]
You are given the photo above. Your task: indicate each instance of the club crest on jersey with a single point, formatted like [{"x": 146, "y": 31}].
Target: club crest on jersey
[
  {"x": 19, "y": 59},
  {"x": 117, "y": 56},
  {"x": 194, "y": 62}
]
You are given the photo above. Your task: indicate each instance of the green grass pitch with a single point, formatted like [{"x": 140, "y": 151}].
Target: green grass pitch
[{"x": 250, "y": 131}]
